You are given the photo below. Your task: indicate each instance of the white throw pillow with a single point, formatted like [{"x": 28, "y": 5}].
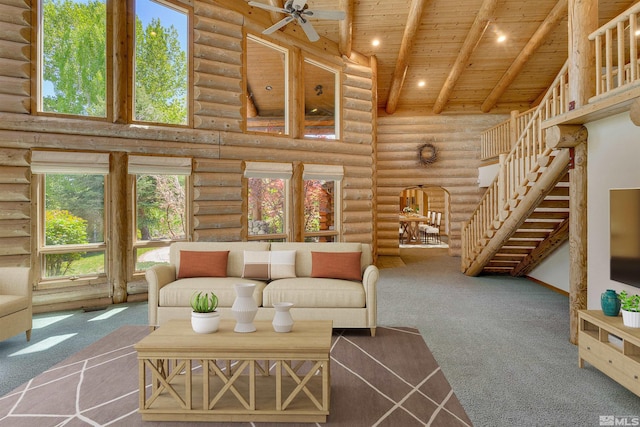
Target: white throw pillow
[{"x": 265, "y": 265}]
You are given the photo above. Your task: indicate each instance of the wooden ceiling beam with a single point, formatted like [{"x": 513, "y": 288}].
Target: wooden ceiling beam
[
  {"x": 410, "y": 31},
  {"x": 345, "y": 28},
  {"x": 275, "y": 16},
  {"x": 556, "y": 15},
  {"x": 471, "y": 42}
]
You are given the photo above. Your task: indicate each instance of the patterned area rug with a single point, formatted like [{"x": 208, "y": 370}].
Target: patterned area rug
[{"x": 391, "y": 379}]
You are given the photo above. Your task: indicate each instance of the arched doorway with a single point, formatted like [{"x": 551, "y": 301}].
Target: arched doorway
[{"x": 418, "y": 206}]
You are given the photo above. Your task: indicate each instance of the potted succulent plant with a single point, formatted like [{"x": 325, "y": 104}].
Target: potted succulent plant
[
  {"x": 630, "y": 307},
  {"x": 204, "y": 317}
]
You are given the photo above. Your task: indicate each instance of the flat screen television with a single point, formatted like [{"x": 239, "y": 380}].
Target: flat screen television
[{"x": 624, "y": 228}]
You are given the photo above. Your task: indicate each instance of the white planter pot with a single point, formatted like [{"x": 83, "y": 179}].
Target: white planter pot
[
  {"x": 205, "y": 323},
  {"x": 631, "y": 319}
]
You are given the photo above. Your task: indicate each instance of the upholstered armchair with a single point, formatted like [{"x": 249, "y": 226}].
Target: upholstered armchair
[{"x": 15, "y": 302}]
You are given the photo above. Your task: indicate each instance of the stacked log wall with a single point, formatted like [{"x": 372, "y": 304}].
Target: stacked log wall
[
  {"x": 15, "y": 56},
  {"x": 15, "y": 208},
  {"x": 217, "y": 52},
  {"x": 457, "y": 142},
  {"x": 215, "y": 140}
]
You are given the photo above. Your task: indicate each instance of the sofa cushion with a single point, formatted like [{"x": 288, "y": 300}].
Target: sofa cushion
[
  {"x": 178, "y": 293},
  {"x": 304, "y": 249},
  {"x": 265, "y": 265},
  {"x": 336, "y": 265},
  {"x": 256, "y": 265},
  {"x": 236, "y": 250},
  {"x": 10, "y": 304},
  {"x": 203, "y": 264},
  {"x": 312, "y": 292}
]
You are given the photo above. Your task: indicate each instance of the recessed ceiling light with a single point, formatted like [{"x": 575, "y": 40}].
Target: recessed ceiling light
[
  {"x": 501, "y": 38},
  {"x": 375, "y": 42},
  {"x": 637, "y": 33},
  {"x": 422, "y": 83},
  {"x": 268, "y": 87}
]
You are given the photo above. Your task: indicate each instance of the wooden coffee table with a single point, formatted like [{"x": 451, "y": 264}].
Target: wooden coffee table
[{"x": 229, "y": 376}]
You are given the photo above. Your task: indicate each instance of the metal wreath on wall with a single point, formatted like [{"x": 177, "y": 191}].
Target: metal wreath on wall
[{"x": 427, "y": 154}]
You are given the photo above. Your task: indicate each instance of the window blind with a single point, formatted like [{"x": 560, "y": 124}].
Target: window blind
[
  {"x": 323, "y": 172},
  {"x": 156, "y": 165},
  {"x": 67, "y": 162},
  {"x": 268, "y": 170}
]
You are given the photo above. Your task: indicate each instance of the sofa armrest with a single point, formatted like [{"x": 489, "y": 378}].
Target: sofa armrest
[
  {"x": 370, "y": 283},
  {"x": 157, "y": 276}
]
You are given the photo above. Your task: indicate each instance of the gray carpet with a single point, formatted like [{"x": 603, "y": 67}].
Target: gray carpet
[{"x": 502, "y": 343}]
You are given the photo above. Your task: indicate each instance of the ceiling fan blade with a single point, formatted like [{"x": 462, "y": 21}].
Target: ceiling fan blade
[
  {"x": 311, "y": 32},
  {"x": 278, "y": 25},
  {"x": 267, "y": 7},
  {"x": 298, "y": 4},
  {"x": 336, "y": 15}
]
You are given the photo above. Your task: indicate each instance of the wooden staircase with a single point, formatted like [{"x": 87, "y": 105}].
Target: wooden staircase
[{"x": 524, "y": 215}]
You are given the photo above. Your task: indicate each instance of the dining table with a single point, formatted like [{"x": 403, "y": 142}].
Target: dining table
[{"x": 409, "y": 224}]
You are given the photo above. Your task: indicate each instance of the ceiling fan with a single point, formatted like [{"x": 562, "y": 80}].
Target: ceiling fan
[{"x": 298, "y": 10}]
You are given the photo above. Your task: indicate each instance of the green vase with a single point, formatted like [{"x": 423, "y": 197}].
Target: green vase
[{"x": 610, "y": 303}]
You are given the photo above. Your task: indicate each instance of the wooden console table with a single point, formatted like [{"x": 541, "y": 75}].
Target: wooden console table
[
  {"x": 611, "y": 347},
  {"x": 229, "y": 376}
]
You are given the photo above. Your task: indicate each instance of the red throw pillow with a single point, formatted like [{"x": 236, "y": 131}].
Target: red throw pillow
[
  {"x": 336, "y": 265},
  {"x": 203, "y": 264}
]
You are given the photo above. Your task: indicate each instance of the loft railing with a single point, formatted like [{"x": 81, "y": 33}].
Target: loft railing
[
  {"x": 617, "y": 53},
  {"x": 528, "y": 154}
]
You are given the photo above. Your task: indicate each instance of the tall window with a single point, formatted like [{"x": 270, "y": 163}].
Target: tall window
[
  {"x": 267, "y": 92},
  {"x": 161, "y": 203},
  {"x": 321, "y": 101},
  {"x": 72, "y": 220},
  {"x": 268, "y": 200},
  {"x": 73, "y": 66},
  {"x": 321, "y": 191},
  {"x": 161, "y": 66}
]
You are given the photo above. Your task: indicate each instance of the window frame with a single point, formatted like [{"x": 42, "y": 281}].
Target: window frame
[
  {"x": 131, "y": 34},
  {"x": 287, "y": 84},
  {"x": 272, "y": 171},
  {"x": 37, "y": 17},
  {"x": 156, "y": 165},
  {"x": 333, "y": 173},
  {"x": 337, "y": 106},
  {"x": 76, "y": 163}
]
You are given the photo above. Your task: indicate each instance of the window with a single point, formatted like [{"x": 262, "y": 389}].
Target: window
[
  {"x": 161, "y": 215},
  {"x": 71, "y": 221},
  {"x": 268, "y": 200},
  {"x": 161, "y": 67},
  {"x": 321, "y": 190},
  {"x": 321, "y": 101},
  {"x": 73, "y": 57},
  {"x": 267, "y": 93}
]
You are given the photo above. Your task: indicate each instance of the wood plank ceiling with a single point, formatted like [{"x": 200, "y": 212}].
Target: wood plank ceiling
[{"x": 453, "y": 48}]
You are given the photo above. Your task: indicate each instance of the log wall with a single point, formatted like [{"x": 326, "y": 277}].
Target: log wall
[
  {"x": 457, "y": 142},
  {"x": 15, "y": 56},
  {"x": 215, "y": 138}
]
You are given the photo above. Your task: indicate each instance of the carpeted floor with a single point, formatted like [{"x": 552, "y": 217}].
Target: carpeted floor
[{"x": 389, "y": 380}]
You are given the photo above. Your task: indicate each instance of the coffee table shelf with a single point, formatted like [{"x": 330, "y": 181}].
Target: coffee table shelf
[{"x": 226, "y": 376}]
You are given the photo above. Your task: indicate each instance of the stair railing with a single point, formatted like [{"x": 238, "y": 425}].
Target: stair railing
[
  {"x": 615, "y": 44},
  {"x": 528, "y": 154}
]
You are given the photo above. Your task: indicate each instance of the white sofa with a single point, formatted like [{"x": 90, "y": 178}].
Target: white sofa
[{"x": 349, "y": 303}]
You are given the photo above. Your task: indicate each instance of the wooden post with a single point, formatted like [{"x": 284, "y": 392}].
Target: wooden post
[
  {"x": 583, "y": 20},
  {"x": 119, "y": 230},
  {"x": 513, "y": 128},
  {"x": 577, "y": 238},
  {"x": 120, "y": 69}
]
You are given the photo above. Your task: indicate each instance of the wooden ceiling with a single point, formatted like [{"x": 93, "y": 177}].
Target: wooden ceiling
[{"x": 452, "y": 46}]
